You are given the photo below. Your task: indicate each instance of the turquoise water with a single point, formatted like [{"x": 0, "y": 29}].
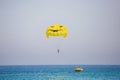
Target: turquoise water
[{"x": 60, "y": 72}]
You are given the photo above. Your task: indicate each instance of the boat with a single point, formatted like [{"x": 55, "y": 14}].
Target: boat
[{"x": 79, "y": 69}]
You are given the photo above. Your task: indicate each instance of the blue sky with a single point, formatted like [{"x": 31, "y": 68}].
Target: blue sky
[{"x": 93, "y": 32}]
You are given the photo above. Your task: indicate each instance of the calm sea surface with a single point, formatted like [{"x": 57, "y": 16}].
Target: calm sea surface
[{"x": 60, "y": 72}]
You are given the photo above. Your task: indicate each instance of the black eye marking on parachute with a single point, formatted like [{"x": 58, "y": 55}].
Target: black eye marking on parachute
[{"x": 52, "y": 26}]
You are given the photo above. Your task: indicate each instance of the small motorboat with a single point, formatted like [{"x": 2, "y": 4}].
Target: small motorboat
[{"x": 79, "y": 69}]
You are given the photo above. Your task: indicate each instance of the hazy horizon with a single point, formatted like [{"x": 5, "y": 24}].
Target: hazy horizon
[{"x": 93, "y": 32}]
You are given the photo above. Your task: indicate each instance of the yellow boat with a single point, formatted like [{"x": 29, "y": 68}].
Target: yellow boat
[{"x": 79, "y": 69}]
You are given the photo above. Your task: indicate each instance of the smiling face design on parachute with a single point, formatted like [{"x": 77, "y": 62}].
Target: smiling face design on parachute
[{"x": 56, "y": 30}]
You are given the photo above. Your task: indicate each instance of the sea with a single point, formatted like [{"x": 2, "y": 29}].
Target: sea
[{"x": 59, "y": 72}]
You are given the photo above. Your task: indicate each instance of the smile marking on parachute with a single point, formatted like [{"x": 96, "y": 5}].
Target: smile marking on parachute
[{"x": 55, "y": 30}]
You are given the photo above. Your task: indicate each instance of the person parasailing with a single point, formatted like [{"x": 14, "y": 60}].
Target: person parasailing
[
  {"x": 56, "y": 30},
  {"x": 58, "y": 51}
]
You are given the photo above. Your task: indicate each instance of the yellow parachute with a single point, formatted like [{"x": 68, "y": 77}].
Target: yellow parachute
[{"x": 56, "y": 30}]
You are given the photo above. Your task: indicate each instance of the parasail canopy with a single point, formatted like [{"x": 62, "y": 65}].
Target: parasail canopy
[{"x": 56, "y": 30}]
